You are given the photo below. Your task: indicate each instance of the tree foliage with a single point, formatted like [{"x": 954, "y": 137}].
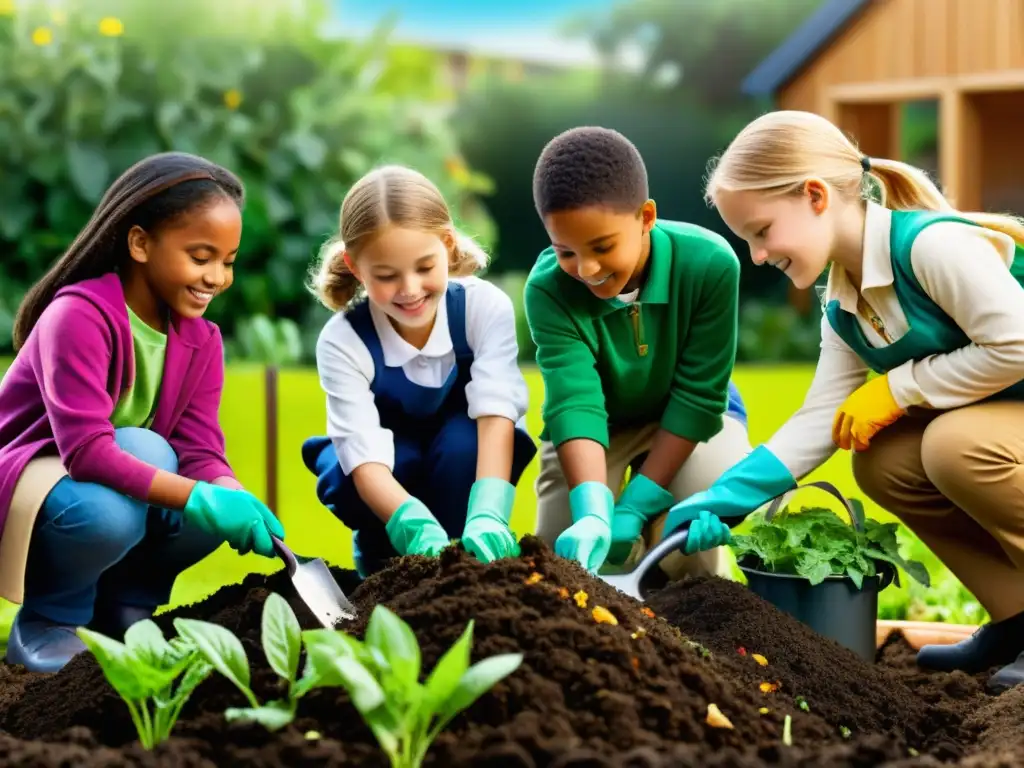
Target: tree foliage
[{"x": 91, "y": 87}]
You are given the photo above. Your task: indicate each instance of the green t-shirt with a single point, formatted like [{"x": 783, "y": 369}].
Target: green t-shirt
[
  {"x": 665, "y": 358},
  {"x": 137, "y": 404}
]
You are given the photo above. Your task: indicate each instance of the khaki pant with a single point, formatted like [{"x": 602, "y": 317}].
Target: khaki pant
[
  {"x": 707, "y": 462},
  {"x": 955, "y": 479}
]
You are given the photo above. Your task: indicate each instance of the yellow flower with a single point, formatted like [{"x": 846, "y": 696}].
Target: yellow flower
[
  {"x": 111, "y": 27},
  {"x": 7, "y": 7},
  {"x": 42, "y": 36},
  {"x": 232, "y": 99}
]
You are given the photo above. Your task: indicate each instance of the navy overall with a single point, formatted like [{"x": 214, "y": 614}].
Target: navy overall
[{"x": 435, "y": 442}]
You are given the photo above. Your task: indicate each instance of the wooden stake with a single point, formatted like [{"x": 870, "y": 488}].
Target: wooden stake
[{"x": 270, "y": 389}]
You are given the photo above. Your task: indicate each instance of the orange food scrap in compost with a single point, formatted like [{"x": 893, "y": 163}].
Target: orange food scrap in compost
[
  {"x": 716, "y": 719},
  {"x": 635, "y": 662},
  {"x": 647, "y": 612},
  {"x": 604, "y": 616},
  {"x": 580, "y": 598},
  {"x": 769, "y": 687},
  {"x": 760, "y": 659},
  {"x": 533, "y": 578},
  {"x": 563, "y": 593}
]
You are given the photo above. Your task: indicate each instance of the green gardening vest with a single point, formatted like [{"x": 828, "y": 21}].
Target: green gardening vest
[{"x": 932, "y": 331}]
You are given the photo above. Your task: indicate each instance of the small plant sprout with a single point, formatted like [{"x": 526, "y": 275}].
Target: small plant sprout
[
  {"x": 143, "y": 670},
  {"x": 382, "y": 675},
  {"x": 281, "y": 638}
]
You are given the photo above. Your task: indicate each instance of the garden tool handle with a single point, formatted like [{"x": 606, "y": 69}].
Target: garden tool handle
[
  {"x": 854, "y": 511},
  {"x": 291, "y": 564},
  {"x": 666, "y": 546}
]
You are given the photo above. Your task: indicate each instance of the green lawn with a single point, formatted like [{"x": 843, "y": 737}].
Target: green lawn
[{"x": 771, "y": 394}]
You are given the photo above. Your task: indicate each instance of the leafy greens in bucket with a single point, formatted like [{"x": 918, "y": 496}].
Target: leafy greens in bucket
[{"x": 816, "y": 543}]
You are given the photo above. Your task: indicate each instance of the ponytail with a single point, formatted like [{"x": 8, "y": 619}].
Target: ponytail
[
  {"x": 903, "y": 187},
  {"x": 330, "y": 279},
  {"x": 467, "y": 257}
]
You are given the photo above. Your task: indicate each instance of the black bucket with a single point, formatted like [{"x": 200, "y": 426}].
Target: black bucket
[{"x": 835, "y": 608}]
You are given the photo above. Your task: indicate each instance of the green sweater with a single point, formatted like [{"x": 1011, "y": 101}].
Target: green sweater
[{"x": 666, "y": 358}]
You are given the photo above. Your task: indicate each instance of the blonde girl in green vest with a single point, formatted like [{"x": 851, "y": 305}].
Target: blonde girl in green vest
[{"x": 930, "y": 299}]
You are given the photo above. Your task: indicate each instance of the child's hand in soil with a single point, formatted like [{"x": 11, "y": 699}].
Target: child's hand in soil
[
  {"x": 413, "y": 530},
  {"x": 487, "y": 535},
  {"x": 642, "y": 500},
  {"x": 587, "y": 540},
  {"x": 236, "y": 516}
]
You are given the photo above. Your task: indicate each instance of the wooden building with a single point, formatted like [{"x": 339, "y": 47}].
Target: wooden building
[{"x": 857, "y": 61}]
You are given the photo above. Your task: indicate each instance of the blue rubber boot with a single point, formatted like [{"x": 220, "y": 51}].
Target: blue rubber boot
[
  {"x": 991, "y": 645},
  {"x": 1008, "y": 677},
  {"x": 41, "y": 645}
]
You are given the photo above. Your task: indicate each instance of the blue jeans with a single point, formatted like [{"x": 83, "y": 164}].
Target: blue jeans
[{"x": 94, "y": 549}]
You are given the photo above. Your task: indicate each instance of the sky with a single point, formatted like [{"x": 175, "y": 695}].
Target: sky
[{"x": 526, "y": 27}]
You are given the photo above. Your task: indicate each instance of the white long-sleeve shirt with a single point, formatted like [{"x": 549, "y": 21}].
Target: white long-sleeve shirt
[
  {"x": 965, "y": 271},
  {"x": 497, "y": 386}
]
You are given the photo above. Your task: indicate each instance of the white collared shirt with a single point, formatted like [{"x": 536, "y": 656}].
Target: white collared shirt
[
  {"x": 497, "y": 386},
  {"x": 964, "y": 269}
]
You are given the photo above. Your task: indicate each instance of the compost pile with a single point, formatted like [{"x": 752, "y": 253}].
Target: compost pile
[{"x": 605, "y": 681}]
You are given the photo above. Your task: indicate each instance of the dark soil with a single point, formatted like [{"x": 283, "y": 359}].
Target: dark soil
[{"x": 588, "y": 694}]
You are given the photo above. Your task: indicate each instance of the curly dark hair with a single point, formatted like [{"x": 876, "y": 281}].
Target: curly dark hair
[{"x": 588, "y": 166}]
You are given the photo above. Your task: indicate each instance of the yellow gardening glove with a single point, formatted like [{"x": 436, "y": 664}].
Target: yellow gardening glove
[{"x": 869, "y": 409}]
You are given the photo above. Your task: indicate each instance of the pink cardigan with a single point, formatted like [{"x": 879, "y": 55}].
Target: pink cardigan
[{"x": 60, "y": 392}]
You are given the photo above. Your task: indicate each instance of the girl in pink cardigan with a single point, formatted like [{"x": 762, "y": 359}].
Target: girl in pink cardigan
[{"x": 113, "y": 477}]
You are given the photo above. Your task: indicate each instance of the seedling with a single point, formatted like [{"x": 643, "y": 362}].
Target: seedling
[
  {"x": 143, "y": 669},
  {"x": 382, "y": 674},
  {"x": 281, "y": 638},
  {"x": 816, "y": 543}
]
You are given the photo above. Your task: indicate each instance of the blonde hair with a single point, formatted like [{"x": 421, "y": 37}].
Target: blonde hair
[
  {"x": 779, "y": 151},
  {"x": 386, "y": 196}
]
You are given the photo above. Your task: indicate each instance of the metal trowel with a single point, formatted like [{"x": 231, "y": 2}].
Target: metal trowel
[
  {"x": 316, "y": 587},
  {"x": 632, "y": 582}
]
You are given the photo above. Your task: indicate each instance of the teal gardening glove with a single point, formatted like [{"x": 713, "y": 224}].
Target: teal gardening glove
[
  {"x": 487, "y": 535},
  {"x": 642, "y": 500},
  {"x": 236, "y": 516},
  {"x": 741, "y": 489},
  {"x": 413, "y": 530},
  {"x": 587, "y": 540}
]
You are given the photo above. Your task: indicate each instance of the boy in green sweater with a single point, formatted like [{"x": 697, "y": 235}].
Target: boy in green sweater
[{"x": 635, "y": 322}]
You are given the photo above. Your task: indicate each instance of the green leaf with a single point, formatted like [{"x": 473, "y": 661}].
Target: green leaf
[
  {"x": 198, "y": 670},
  {"x": 273, "y": 715},
  {"x": 323, "y": 648},
  {"x": 477, "y": 680},
  {"x": 281, "y": 637},
  {"x": 450, "y": 668},
  {"x": 362, "y": 687},
  {"x": 387, "y": 633},
  {"x": 221, "y": 649},
  {"x": 145, "y": 641},
  {"x": 816, "y": 542},
  {"x": 88, "y": 171},
  {"x": 132, "y": 678}
]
